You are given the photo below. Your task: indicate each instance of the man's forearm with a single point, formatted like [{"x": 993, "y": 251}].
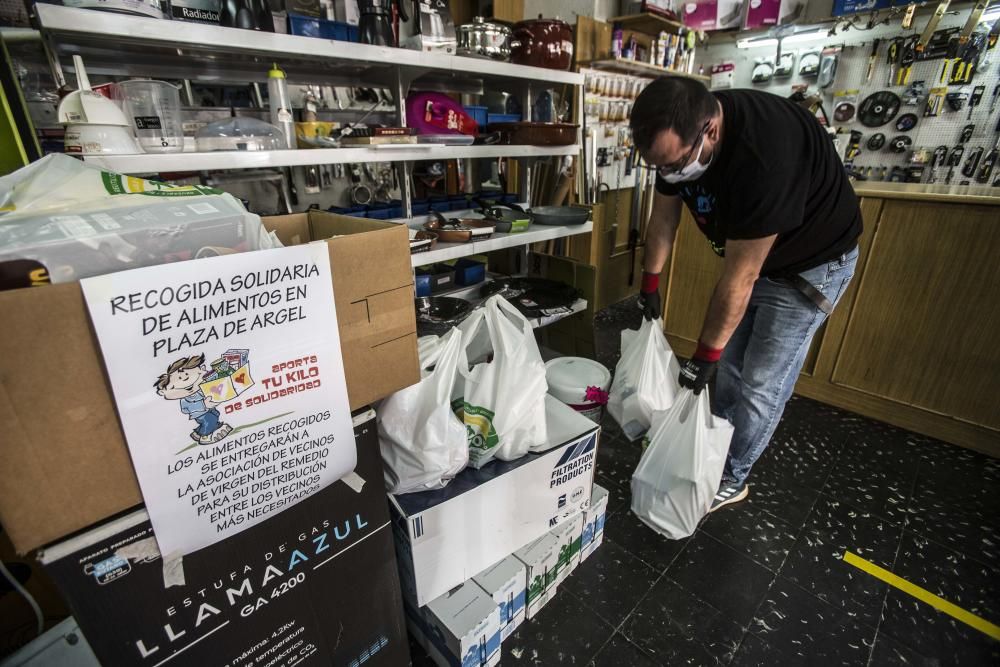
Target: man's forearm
[
  {"x": 659, "y": 242},
  {"x": 725, "y": 310}
]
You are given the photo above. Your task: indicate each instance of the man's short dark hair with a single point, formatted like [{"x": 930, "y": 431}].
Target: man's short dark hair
[{"x": 671, "y": 103}]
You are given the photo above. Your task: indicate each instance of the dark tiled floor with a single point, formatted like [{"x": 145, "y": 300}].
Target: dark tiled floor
[{"x": 764, "y": 582}]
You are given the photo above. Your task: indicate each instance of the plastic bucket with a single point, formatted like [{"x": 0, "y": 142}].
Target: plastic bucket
[{"x": 570, "y": 377}]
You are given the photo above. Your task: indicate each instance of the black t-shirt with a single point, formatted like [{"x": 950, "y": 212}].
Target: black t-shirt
[{"x": 777, "y": 173}]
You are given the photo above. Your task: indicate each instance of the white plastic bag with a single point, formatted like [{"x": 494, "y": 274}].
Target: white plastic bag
[
  {"x": 645, "y": 378},
  {"x": 679, "y": 473},
  {"x": 503, "y": 402},
  {"x": 423, "y": 443}
]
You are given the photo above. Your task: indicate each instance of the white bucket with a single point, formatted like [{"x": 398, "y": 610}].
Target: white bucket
[{"x": 569, "y": 378}]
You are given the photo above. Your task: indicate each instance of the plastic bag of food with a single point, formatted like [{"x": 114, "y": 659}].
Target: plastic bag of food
[{"x": 645, "y": 378}]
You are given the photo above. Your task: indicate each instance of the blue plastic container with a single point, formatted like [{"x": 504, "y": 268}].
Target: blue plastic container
[
  {"x": 423, "y": 283},
  {"x": 469, "y": 272},
  {"x": 479, "y": 114},
  {"x": 307, "y": 26},
  {"x": 439, "y": 204},
  {"x": 380, "y": 212},
  {"x": 459, "y": 202},
  {"x": 420, "y": 206},
  {"x": 503, "y": 118}
]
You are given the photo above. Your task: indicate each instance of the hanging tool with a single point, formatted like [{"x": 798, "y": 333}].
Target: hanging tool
[
  {"x": 950, "y": 61},
  {"x": 995, "y": 95},
  {"x": 966, "y": 134},
  {"x": 906, "y": 60},
  {"x": 970, "y": 54},
  {"x": 938, "y": 160},
  {"x": 972, "y": 162},
  {"x": 907, "y": 21},
  {"x": 975, "y": 99},
  {"x": 872, "y": 58},
  {"x": 988, "y": 163},
  {"x": 892, "y": 56},
  {"x": 932, "y": 23},
  {"x": 973, "y": 20}
]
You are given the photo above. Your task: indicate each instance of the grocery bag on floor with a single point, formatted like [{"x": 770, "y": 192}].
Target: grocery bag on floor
[
  {"x": 679, "y": 473},
  {"x": 645, "y": 378},
  {"x": 503, "y": 399},
  {"x": 423, "y": 442}
]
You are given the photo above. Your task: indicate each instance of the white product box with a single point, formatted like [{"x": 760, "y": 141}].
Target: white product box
[
  {"x": 540, "y": 559},
  {"x": 569, "y": 532},
  {"x": 506, "y": 582},
  {"x": 447, "y": 536},
  {"x": 593, "y": 522},
  {"x": 462, "y": 627}
]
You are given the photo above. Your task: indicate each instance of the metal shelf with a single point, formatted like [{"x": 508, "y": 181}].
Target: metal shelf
[
  {"x": 117, "y": 43},
  {"x": 649, "y": 23},
  {"x": 626, "y": 66},
  {"x": 535, "y": 234},
  {"x": 153, "y": 163}
]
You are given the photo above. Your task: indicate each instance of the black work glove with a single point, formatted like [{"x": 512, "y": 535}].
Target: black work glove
[
  {"x": 649, "y": 296},
  {"x": 697, "y": 371}
]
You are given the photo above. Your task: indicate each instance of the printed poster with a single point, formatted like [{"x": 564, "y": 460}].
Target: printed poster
[{"x": 229, "y": 382}]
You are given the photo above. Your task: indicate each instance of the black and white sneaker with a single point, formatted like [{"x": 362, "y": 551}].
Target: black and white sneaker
[{"x": 729, "y": 494}]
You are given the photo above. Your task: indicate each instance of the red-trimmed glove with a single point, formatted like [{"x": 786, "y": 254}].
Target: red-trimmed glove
[
  {"x": 699, "y": 369},
  {"x": 649, "y": 296}
]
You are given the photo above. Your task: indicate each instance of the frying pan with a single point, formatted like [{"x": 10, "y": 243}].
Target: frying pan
[
  {"x": 458, "y": 230},
  {"x": 506, "y": 218},
  {"x": 438, "y": 314},
  {"x": 422, "y": 242},
  {"x": 531, "y": 296},
  {"x": 556, "y": 215}
]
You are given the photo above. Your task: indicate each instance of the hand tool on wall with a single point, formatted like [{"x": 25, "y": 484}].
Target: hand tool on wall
[
  {"x": 892, "y": 57},
  {"x": 996, "y": 93},
  {"x": 973, "y": 20},
  {"x": 975, "y": 99},
  {"x": 969, "y": 60},
  {"x": 906, "y": 60},
  {"x": 950, "y": 61},
  {"x": 988, "y": 163},
  {"x": 872, "y": 58},
  {"x": 907, "y": 21},
  {"x": 938, "y": 160},
  {"x": 972, "y": 162},
  {"x": 966, "y": 134},
  {"x": 932, "y": 23},
  {"x": 954, "y": 159}
]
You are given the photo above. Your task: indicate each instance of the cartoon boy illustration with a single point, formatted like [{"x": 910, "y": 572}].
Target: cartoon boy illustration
[{"x": 181, "y": 383}]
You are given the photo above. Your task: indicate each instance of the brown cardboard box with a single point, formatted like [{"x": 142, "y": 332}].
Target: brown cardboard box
[{"x": 65, "y": 462}]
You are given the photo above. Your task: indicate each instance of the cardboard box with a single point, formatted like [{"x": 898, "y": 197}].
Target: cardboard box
[
  {"x": 593, "y": 522},
  {"x": 66, "y": 465},
  {"x": 540, "y": 559},
  {"x": 462, "y": 627},
  {"x": 448, "y": 536},
  {"x": 317, "y": 584},
  {"x": 506, "y": 583},
  {"x": 569, "y": 532}
]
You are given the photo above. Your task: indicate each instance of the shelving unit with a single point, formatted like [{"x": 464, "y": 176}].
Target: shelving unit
[
  {"x": 471, "y": 294},
  {"x": 626, "y": 66},
  {"x": 535, "y": 234},
  {"x": 172, "y": 162},
  {"x": 651, "y": 24}
]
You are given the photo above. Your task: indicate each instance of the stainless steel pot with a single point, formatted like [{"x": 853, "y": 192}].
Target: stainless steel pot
[{"x": 484, "y": 39}]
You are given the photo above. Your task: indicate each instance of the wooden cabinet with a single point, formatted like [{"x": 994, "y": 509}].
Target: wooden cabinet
[{"x": 914, "y": 339}]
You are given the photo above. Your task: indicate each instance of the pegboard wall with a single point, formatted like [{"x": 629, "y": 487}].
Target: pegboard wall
[{"x": 929, "y": 132}]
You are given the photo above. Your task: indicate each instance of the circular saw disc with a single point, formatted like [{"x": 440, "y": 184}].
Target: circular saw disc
[
  {"x": 879, "y": 108},
  {"x": 906, "y": 122},
  {"x": 844, "y": 112},
  {"x": 876, "y": 141}
]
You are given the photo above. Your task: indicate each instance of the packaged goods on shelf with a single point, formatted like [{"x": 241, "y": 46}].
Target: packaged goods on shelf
[
  {"x": 540, "y": 559},
  {"x": 462, "y": 627},
  {"x": 506, "y": 583},
  {"x": 63, "y": 220},
  {"x": 317, "y": 583},
  {"x": 569, "y": 532},
  {"x": 593, "y": 522},
  {"x": 505, "y": 505}
]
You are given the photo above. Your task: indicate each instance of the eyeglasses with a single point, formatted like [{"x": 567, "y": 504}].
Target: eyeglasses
[{"x": 678, "y": 167}]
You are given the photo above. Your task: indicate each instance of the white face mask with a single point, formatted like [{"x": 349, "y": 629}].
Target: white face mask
[{"x": 691, "y": 172}]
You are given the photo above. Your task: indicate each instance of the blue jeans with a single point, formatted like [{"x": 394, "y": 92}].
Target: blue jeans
[
  {"x": 762, "y": 360},
  {"x": 208, "y": 422}
]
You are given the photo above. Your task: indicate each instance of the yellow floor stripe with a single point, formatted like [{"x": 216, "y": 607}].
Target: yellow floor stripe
[{"x": 924, "y": 595}]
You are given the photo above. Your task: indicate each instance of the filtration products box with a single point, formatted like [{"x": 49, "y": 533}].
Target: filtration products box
[
  {"x": 462, "y": 627},
  {"x": 66, "y": 464},
  {"x": 316, "y": 585},
  {"x": 506, "y": 583},
  {"x": 569, "y": 532},
  {"x": 593, "y": 522},
  {"x": 447, "y": 536},
  {"x": 540, "y": 559}
]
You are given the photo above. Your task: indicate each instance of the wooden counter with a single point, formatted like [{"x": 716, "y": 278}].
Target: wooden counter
[{"x": 915, "y": 340}]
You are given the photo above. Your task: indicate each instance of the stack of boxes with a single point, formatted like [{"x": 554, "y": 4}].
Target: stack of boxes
[{"x": 488, "y": 551}]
